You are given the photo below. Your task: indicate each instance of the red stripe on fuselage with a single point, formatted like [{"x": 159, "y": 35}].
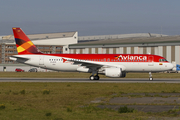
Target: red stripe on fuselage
[{"x": 111, "y": 57}]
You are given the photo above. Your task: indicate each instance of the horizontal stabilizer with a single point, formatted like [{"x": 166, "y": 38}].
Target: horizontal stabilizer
[{"x": 18, "y": 59}]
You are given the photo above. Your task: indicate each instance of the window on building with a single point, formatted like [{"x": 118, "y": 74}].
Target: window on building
[
  {"x": 46, "y": 48},
  {"x": 10, "y": 51},
  {"x": 10, "y": 47},
  {"x": 58, "y": 48},
  {"x": 40, "y": 47}
]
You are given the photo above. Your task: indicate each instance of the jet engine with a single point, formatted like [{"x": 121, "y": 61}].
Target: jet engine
[{"x": 114, "y": 72}]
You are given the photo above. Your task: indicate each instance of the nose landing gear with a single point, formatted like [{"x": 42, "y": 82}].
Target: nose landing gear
[{"x": 150, "y": 76}]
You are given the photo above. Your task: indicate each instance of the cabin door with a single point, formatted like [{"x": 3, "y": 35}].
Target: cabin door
[
  {"x": 41, "y": 60},
  {"x": 151, "y": 61}
]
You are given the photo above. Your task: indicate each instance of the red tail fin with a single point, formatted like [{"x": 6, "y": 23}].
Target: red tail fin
[{"x": 23, "y": 43}]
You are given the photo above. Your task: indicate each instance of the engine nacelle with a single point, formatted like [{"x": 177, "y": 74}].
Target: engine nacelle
[{"x": 114, "y": 72}]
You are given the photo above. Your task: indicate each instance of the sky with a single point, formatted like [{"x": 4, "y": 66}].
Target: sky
[{"x": 91, "y": 17}]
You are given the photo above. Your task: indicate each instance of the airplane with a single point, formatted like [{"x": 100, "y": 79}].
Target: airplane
[{"x": 111, "y": 65}]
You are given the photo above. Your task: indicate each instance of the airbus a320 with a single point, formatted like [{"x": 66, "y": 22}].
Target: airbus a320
[{"x": 111, "y": 65}]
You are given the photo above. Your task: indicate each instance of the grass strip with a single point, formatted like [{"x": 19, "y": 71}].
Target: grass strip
[{"x": 67, "y": 101}]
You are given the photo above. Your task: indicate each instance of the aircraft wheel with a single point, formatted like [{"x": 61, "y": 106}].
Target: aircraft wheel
[
  {"x": 96, "y": 77},
  {"x": 91, "y": 77},
  {"x": 151, "y": 79}
]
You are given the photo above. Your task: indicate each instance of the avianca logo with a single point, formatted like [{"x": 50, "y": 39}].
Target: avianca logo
[{"x": 128, "y": 57}]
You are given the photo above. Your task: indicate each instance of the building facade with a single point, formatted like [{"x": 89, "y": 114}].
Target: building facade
[
  {"x": 171, "y": 53},
  {"x": 7, "y": 50}
]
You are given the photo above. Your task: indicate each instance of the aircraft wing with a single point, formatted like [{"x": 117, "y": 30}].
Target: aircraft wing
[
  {"x": 88, "y": 64},
  {"x": 95, "y": 64}
]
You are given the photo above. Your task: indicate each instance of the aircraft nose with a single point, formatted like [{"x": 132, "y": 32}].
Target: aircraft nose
[{"x": 170, "y": 66}]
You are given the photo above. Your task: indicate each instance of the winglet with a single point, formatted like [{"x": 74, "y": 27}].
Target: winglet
[{"x": 23, "y": 43}]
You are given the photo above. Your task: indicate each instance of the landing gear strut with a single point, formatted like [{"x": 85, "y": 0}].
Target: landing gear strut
[{"x": 150, "y": 76}]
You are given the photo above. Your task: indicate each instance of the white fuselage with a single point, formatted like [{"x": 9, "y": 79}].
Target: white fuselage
[{"x": 57, "y": 63}]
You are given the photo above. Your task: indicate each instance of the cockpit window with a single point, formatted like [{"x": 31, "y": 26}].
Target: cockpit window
[{"x": 162, "y": 60}]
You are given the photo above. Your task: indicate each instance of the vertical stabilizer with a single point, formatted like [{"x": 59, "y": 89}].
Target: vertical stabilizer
[{"x": 23, "y": 43}]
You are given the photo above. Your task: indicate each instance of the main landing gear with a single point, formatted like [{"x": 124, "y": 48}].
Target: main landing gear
[
  {"x": 92, "y": 77},
  {"x": 150, "y": 76}
]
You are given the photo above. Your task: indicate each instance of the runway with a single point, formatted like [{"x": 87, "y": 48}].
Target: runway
[{"x": 102, "y": 80}]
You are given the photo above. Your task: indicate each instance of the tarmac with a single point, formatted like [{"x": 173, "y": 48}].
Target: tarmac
[
  {"x": 86, "y": 80},
  {"x": 144, "y": 102}
]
